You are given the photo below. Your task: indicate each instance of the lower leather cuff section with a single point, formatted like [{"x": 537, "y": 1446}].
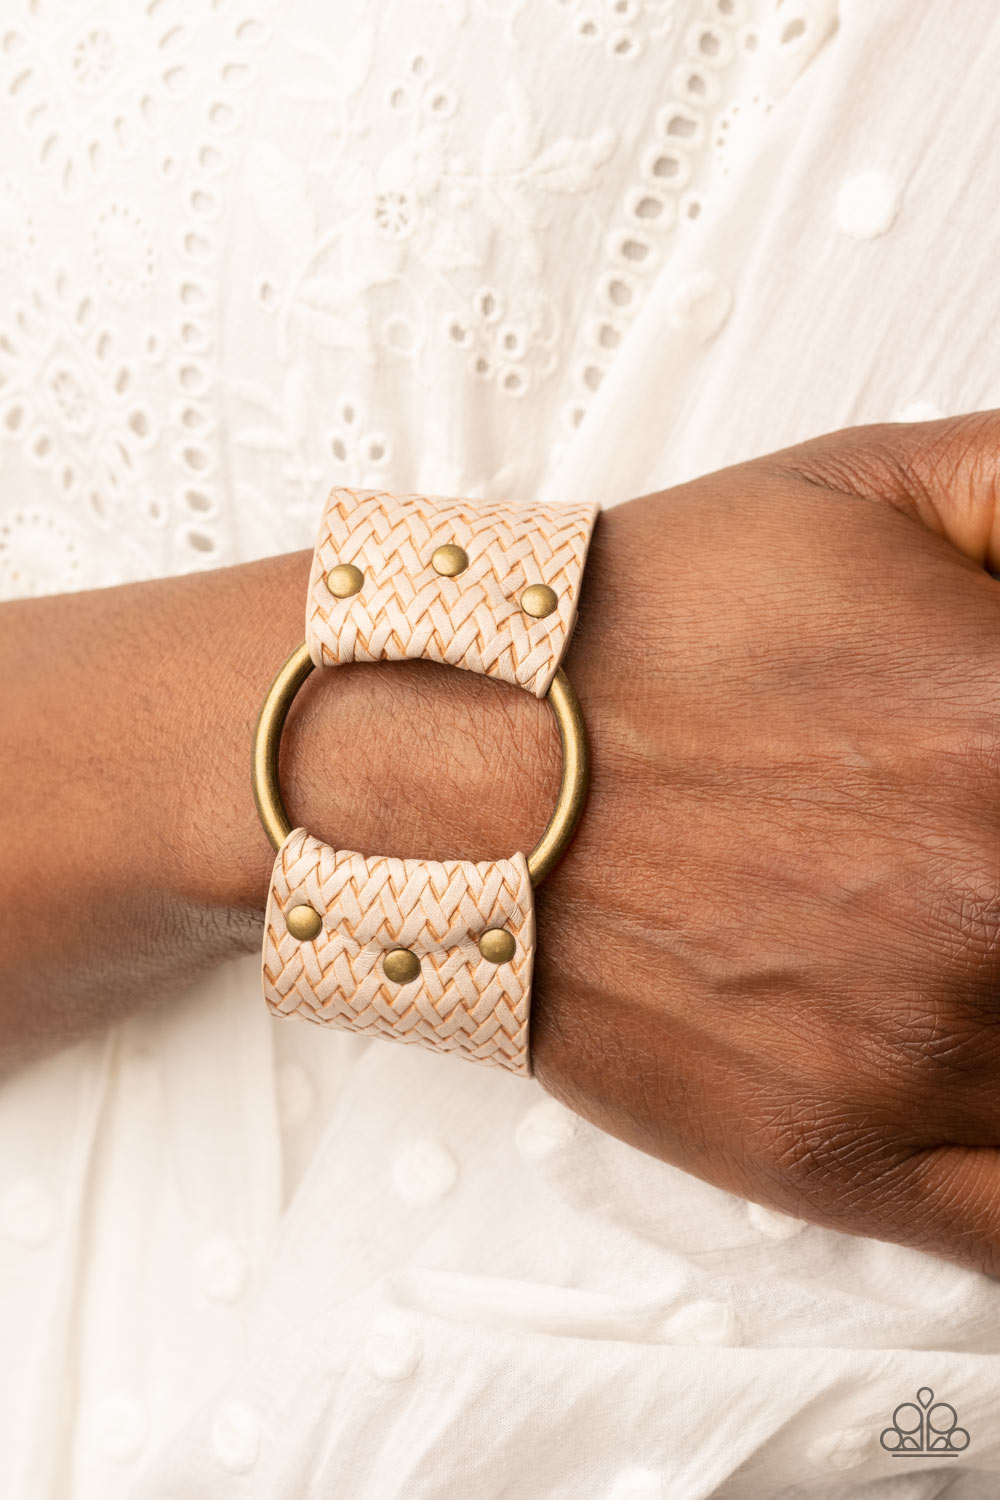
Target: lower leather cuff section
[{"x": 391, "y": 947}]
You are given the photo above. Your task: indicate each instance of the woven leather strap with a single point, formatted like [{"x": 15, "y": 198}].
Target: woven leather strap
[
  {"x": 459, "y": 1000},
  {"x": 460, "y": 1003},
  {"x": 474, "y": 620}
]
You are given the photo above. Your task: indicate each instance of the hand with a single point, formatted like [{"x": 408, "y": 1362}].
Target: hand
[{"x": 772, "y": 956}]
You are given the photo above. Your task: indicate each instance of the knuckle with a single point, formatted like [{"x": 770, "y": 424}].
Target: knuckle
[
  {"x": 943, "y": 1200},
  {"x": 939, "y": 1019},
  {"x": 946, "y": 467},
  {"x": 947, "y": 453}
]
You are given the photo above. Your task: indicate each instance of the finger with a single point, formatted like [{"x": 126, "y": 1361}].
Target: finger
[
  {"x": 947, "y": 1201},
  {"x": 945, "y": 474}
]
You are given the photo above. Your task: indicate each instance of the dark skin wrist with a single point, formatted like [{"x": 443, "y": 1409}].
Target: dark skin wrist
[{"x": 126, "y": 763}]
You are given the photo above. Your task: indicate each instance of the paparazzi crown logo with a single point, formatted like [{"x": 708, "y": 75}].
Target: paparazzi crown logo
[{"x": 925, "y": 1428}]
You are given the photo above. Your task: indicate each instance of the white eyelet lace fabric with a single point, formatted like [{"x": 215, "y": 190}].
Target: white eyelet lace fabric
[
  {"x": 248, "y": 250},
  {"x": 510, "y": 249}
]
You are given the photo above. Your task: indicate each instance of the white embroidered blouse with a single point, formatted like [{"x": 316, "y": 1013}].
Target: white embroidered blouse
[{"x": 251, "y": 248}]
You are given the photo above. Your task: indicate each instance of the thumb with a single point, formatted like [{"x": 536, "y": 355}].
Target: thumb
[{"x": 945, "y": 474}]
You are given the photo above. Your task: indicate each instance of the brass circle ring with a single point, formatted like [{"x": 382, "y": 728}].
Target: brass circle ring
[{"x": 572, "y": 789}]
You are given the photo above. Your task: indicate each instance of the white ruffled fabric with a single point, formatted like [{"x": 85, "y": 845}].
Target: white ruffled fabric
[{"x": 494, "y": 247}]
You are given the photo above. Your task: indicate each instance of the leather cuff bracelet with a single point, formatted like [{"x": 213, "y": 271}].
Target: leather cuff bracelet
[{"x": 438, "y": 953}]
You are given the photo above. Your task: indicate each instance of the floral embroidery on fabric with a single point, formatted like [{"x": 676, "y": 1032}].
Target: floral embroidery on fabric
[{"x": 293, "y": 253}]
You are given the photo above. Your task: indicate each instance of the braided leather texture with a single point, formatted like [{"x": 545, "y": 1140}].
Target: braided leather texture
[
  {"x": 405, "y": 609},
  {"x": 459, "y": 1003}
]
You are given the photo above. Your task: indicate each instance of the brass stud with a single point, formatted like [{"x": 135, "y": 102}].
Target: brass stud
[
  {"x": 538, "y": 600},
  {"x": 344, "y": 580},
  {"x": 304, "y": 923},
  {"x": 497, "y": 945},
  {"x": 449, "y": 560},
  {"x": 400, "y": 965}
]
